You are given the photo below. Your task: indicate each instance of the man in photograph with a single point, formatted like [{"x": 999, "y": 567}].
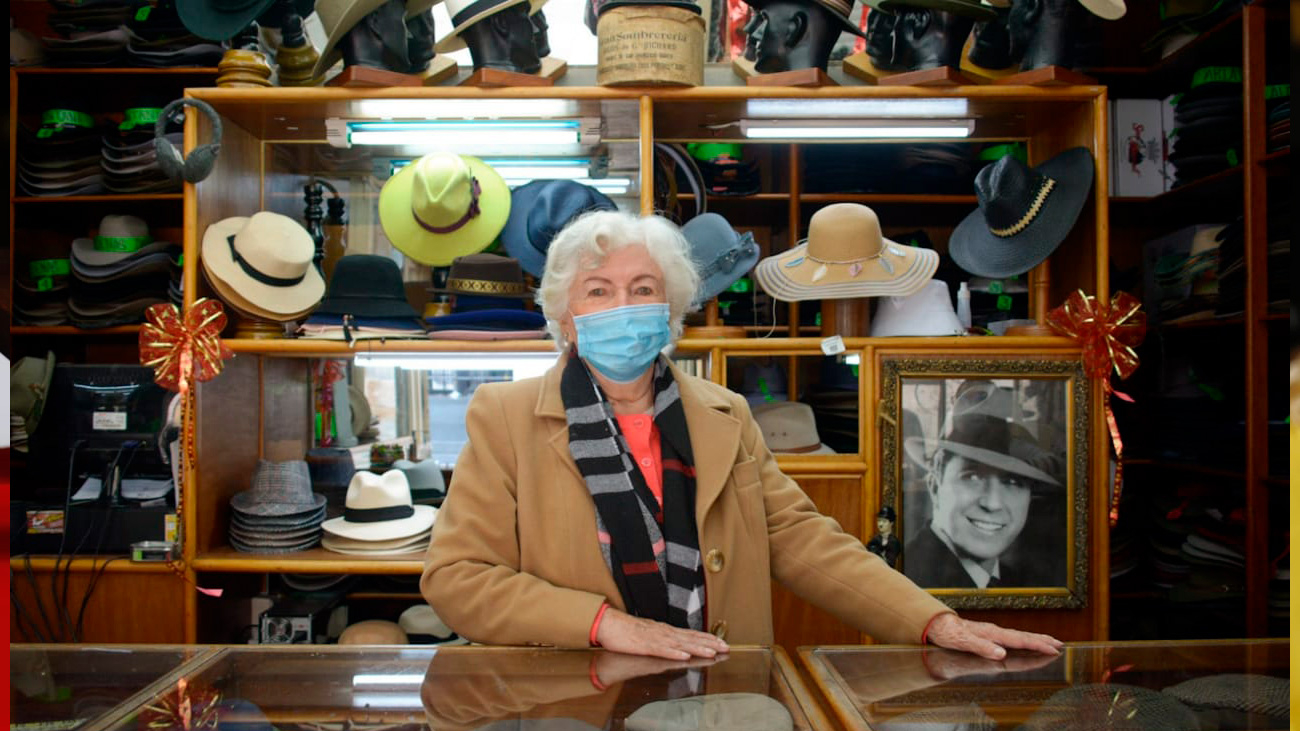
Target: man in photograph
[{"x": 985, "y": 473}]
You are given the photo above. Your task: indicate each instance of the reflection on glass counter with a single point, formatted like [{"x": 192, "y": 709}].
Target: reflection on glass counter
[
  {"x": 1141, "y": 686},
  {"x": 66, "y": 687},
  {"x": 475, "y": 687}
]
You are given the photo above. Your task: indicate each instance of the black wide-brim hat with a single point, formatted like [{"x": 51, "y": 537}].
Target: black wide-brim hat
[
  {"x": 1029, "y": 221},
  {"x": 964, "y": 8},
  {"x": 839, "y": 9},
  {"x": 366, "y": 285}
]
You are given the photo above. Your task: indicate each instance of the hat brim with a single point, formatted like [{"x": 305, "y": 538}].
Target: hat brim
[
  {"x": 1105, "y": 9},
  {"x": 84, "y": 251},
  {"x": 964, "y": 8},
  {"x": 242, "y": 306},
  {"x": 847, "y": 25},
  {"x": 789, "y": 276},
  {"x": 426, "y": 247},
  {"x": 918, "y": 447},
  {"x": 975, "y": 249},
  {"x": 420, "y": 521},
  {"x": 246, "y": 502},
  {"x": 205, "y": 21},
  {"x": 414, "y": 544},
  {"x": 283, "y": 302},
  {"x": 329, "y": 53},
  {"x": 453, "y": 41},
  {"x": 489, "y": 319}
]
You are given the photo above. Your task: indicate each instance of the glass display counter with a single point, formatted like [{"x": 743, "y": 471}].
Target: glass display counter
[{"x": 1128, "y": 685}]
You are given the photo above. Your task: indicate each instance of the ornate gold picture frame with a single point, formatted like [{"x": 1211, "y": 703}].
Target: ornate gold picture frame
[{"x": 985, "y": 462}]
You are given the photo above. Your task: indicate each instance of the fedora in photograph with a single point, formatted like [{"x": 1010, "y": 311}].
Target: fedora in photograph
[
  {"x": 279, "y": 489},
  {"x": 721, "y": 254},
  {"x": 219, "y": 20},
  {"x": 378, "y": 508},
  {"x": 845, "y": 256},
  {"x": 928, "y": 312},
  {"x": 1024, "y": 213},
  {"x": 266, "y": 259},
  {"x": 464, "y": 13},
  {"x": 338, "y": 17},
  {"x": 538, "y": 210},
  {"x": 789, "y": 428},
  {"x": 443, "y": 206},
  {"x": 992, "y": 440}
]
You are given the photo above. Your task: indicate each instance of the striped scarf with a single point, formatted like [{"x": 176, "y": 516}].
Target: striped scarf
[{"x": 652, "y": 553}]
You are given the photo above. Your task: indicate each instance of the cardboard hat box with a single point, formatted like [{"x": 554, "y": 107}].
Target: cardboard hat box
[{"x": 650, "y": 45}]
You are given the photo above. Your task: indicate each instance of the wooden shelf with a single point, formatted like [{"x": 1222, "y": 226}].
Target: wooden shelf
[
  {"x": 69, "y": 330},
  {"x": 116, "y": 71},
  {"x": 105, "y": 198},
  {"x": 1185, "y": 467},
  {"x": 1200, "y": 188},
  {"x": 1162, "y": 78},
  {"x": 311, "y": 561},
  {"x": 115, "y": 564}
]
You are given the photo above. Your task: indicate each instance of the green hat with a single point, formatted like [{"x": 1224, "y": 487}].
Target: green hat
[{"x": 443, "y": 206}]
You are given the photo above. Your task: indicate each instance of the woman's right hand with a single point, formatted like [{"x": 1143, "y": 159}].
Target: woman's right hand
[{"x": 621, "y": 632}]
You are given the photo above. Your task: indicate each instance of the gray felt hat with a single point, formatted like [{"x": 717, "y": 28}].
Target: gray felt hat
[{"x": 279, "y": 489}]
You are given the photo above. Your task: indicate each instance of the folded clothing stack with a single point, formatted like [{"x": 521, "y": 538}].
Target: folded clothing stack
[{"x": 280, "y": 513}]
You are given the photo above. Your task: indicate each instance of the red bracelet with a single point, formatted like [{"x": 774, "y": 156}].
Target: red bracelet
[
  {"x": 925, "y": 633},
  {"x": 595, "y": 679},
  {"x": 595, "y": 624}
]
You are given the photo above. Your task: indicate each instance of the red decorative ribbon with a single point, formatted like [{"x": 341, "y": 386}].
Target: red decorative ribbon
[
  {"x": 184, "y": 350},
  {"x": 1109, "y": 334},
  {"x": 328, "y": 372}
]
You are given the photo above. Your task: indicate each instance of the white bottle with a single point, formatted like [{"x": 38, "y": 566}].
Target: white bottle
[{"x": 963, "y": 305}]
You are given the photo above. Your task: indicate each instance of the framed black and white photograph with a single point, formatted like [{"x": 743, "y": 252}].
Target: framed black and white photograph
[{"x": 985, "y": 461}]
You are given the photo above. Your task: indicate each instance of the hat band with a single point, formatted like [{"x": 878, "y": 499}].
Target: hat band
[
  {"x": 473, "y": 9},
  {"x": 252, "y": 271},
  {"x": 799, "y": 450},
  {"x": 485, "y": 286},
  {"x": 377, "y": 515},
  {"x": 1044, "y": 189},
  {"x": 122, "y": 244},
  {"x": 727, "y": 260},
  {"x": 469, "y": 214}
]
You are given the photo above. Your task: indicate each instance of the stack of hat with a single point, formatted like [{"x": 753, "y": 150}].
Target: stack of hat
[
  {"x": 280, "y": 513},
  {"x": 41, "y": 296},
  {"x": 130, "y": 158},
  {"x": 721, "y": 254},
  {"x": 538, "y": 210},
  {"x": 1207, "y": 124},
  {"x": 379, "y": 518},
  {"x": 846, "y": 256},
  {"x": 365, "y": 300},
  {"x": 1277, "y": 101},
  {"x": 121, "y": 272},
  {"x": 261, "y": 266},
  {"x": 94, "y": 32},
  {"x": 442, "y": 206},
  {"x": 943, "y": 167},
  {"x": 62, "y": 156},
  {"x": 159, "y": 39},
  {"x": 488, "y": 294},
  {"x": 428, "y": 487}
]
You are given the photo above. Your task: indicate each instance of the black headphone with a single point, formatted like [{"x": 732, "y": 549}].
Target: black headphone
[{"x": 199, "y": 164}]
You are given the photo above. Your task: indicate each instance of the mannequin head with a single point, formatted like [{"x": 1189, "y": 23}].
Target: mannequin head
[
  {"x": 1043, "y": 32},
  {"x": 419, "y": 40},
  {"x": 929, "y": 39},
  {"x": 504, "y": 40},
  {"x": 793, "y": 34},
  {"x": 991, "y": 46},
  {"x": 541, "y": 40},
  {"x": 752, "y": 35},
  {"x": 379, "y": 40},
  {"x": 880, "y": 39}
]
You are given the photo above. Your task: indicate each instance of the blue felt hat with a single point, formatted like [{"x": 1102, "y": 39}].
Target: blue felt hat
[
  {"x": 500, "y": 319},
  {"x": 538, "y": 210},
  {"x": 720, "y": 253}
]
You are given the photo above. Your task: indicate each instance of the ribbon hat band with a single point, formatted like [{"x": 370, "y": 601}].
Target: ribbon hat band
[
  {"x": 470, "y": 213},
  {"x": 253, "y": 272}
]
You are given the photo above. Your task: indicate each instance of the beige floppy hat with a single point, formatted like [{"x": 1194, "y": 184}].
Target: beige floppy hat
[
  {"x": 340, "y": 16},
  {"x": 266, "y": 259},
  {"x": 846, "y": 256}
]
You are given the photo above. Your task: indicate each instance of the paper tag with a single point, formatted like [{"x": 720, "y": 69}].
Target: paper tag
[
  {"x": 169, "y": 527},
  {"x": 834, "y": 345},
  {"x": 108, "y": 421},
  {"x": 44, "y": 521}
]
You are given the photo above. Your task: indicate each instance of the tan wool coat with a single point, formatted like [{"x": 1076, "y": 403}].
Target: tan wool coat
[{"x": 514, "y": 558}]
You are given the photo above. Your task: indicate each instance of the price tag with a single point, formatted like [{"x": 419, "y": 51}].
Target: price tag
[
  {"x": 108, "y": 421},
  {"x": 834, "y": 345}
]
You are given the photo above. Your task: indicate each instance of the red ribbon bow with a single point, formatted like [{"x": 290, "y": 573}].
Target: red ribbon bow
[
  {"x": 180, "y": 349},
  {"x": 1109, "y": 334}
]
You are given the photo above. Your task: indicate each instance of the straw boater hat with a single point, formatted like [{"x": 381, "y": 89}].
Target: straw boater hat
[
  {"x": 266, "y": 259},
  {"x": 443, "y": 206},
  {"x": 1024, "y": 213},
  {"x": 846, "y": 256},
  {"x": 340, "y": 16},
  {"x": 464, "y": 13}
]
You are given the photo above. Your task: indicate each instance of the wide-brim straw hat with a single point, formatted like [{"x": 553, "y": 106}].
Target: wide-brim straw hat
[
  {"x": 845, "y": 256},
  {"x": 274, "y": 272}
]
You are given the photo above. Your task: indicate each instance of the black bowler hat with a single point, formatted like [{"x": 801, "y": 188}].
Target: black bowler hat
[
  {"x": 887, "y": 513},
  {"x": 538, "y": 210},
  {"x": 366, "y": 285},
  {"x": 1024, "y": 213}
]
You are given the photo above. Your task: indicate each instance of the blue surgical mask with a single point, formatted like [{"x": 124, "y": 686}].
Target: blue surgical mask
[{"x": 623, "y": 342}]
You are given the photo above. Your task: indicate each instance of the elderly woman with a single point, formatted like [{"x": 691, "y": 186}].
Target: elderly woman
[{"x": 618, "y": 502}]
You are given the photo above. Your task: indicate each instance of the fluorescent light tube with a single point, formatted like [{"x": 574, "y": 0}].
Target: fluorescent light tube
[
  {"x": 387, "y": 679},
  {"x": 521, "y": 365},
  {"x": 387, "y": 701},
  {"x": 465, "y": 108},
  {"x": 911, "y": 129},
  {"x": 533, "y": 133},
  {"x": 841, "y": 108}
]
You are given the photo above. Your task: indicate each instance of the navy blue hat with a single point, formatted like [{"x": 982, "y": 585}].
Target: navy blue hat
[
  {"x": 496, "y": 319},
  {"x": 538, "y": 210}
]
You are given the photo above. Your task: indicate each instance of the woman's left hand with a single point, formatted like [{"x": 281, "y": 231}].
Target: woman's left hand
[{"x": 987, "y": 639}]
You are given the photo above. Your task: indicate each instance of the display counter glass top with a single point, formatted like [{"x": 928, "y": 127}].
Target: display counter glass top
[
  {"x": 1127, "y": 685},
  {"x": 66, "y": 687}
]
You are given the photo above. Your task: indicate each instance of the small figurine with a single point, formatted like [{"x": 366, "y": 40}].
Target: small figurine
[{"x": 884, "y": 543}]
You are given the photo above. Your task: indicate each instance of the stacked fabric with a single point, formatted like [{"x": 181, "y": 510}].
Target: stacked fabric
[
  {"x": 93, "y": 32},
  {"x": 62, "y": 156},
  {"x": 379, "y": 518},
  {"x": 365, "y": 300},
  {"x": 121, "y": 272},
  {"x": 1207, "y": 125},
  {"x": 280, "y": 513}
]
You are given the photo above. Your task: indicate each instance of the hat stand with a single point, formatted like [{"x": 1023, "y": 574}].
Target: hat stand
[
  {"x": 247, "y": 327},
  {"x": 850, "y": 318},
  {"x": 713, "y": 327},
  {"x": 1040, "y": 281},
  {"x": 243, "y": 66},
  {"x": 486, "y": 78},
  {"x": 296, "y": 57},
  {"x": 805, "y": 78},
  {"x": 1047, "y": 76}
]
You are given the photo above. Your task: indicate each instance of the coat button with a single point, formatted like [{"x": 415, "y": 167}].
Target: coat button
[
  {"x": 719, "y": 629},
  {"x": 714, "y": 560}
]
